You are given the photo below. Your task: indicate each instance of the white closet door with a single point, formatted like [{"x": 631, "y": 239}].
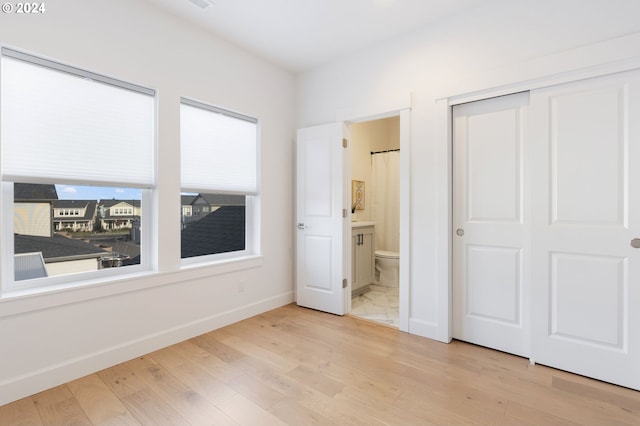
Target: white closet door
[
  {"x": 586, "y": 211},
  {"x": 490, "y": 257}
]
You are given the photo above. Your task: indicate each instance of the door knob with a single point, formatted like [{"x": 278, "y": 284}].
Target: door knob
[
  {"x": 635, "y": 243},
  {"x": 301, "y": 226},
  {"x": 459, "y": 232}
]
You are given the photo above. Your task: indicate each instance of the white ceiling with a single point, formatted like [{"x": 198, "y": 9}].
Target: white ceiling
[{"x": 301, "y": 34}]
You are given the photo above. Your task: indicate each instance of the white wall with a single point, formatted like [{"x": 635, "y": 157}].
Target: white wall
[
  {"x": 53, "y": 338},
  {"x": 500, "y": 43}
]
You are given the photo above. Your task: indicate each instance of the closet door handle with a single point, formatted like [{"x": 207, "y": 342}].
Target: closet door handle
[{"x": 635, "y": 243}]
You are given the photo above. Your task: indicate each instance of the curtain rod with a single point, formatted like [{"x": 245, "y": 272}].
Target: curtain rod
[{"x": 382, "y": 152}]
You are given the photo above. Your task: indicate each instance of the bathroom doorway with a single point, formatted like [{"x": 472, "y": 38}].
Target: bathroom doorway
[{"x": 375, "y": 184}]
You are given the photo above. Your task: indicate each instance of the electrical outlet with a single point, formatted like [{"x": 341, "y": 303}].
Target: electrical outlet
[{"x": 240, "y": 286}]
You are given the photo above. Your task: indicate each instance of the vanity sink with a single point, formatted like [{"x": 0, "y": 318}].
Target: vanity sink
[{"x": 358, "y": 224}]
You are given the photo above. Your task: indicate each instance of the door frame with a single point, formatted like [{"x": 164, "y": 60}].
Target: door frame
[
  {"x": 565, "y": 67},
  {"x": 397, "y": 105}
]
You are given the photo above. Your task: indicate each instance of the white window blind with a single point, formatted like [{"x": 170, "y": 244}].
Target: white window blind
[
  {"x": 61, "y": 124},
  {"x": 218, "y": 150}
]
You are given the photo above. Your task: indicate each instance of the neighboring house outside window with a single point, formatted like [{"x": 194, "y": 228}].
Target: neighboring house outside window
[
  {"x": 32, "y": 209},
  {"x": 75, "y": 215},
  {"x": 75, "y": 245},
  {"x": 187, "y": 208},
  {"x": 118, "y": 214}
]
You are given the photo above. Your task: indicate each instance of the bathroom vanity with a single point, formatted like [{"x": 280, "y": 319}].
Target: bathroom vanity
[{"x": 362, "y": 256}]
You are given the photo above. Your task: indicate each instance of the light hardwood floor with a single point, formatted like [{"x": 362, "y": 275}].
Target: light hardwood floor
[{"x": 301, "y": 367}]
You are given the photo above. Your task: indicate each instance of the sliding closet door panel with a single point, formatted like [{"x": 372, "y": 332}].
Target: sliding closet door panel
[
  {"x": 586, "y": 198},
  {"x": 489, "y": 250}
]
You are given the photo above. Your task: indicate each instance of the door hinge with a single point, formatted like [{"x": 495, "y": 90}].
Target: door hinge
[
  {"x": 344, "y": 213},
  {"x": 345, "y": 143},
  {"x": 344, "y": 283}
]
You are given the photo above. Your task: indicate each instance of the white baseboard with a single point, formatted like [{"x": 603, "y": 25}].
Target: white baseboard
[
  {"x": 36, "y": 381},
  {"x": 423, "y": 328}
]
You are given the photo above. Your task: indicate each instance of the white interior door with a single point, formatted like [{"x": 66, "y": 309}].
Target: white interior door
[
  {"x": 324, "y": 233},
  {"x": 490, "y": 220},
  {"x": 586, "y": 210}
]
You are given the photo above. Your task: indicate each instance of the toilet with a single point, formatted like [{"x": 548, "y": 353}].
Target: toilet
[{"x": 387, "y": 268}]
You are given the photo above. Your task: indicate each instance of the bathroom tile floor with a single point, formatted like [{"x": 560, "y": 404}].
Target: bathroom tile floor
[{"x": 379, "y": 304}]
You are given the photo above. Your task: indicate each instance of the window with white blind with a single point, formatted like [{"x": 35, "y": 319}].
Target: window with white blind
[
  {"x": 73, "y": 141},
  {"x": 219, "y": 181}
]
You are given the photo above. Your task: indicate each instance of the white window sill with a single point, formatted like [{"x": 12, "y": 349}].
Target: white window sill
[
  {"x": 34, "y": 299},
  {"x": 208, "y": 267}
]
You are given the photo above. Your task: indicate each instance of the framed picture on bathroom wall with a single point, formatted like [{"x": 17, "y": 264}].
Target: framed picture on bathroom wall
[{"x": 357, "y": 194}]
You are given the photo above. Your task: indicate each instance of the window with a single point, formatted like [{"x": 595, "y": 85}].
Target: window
[
  {"x": 63, "y": 134},
  {"x": 72, "y": 244},
  {"x": 219, "y": 169},
  {"x": 221, "y": 231}
]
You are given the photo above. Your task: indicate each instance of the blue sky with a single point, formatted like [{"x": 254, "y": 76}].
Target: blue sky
[{"x": 77, "y": 192}]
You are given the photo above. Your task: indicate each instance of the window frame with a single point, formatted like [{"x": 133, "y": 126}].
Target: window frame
[
  {"x": 252, "y": 199},
  {"x": 9, "y": 286}
]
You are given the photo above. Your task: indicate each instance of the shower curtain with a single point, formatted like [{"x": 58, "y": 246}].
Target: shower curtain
[{"x": 386, "y": 200}]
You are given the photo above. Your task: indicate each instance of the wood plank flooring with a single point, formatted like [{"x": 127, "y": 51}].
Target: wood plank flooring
[{"x": 301, "y": 367}]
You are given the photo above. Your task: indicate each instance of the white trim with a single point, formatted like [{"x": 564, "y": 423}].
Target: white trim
[
  {"x": 423, "y": 328},
  {"x": 607, "y": 57},
  {"x": 444, "y": 201},
  {"x": 405, "y": 220},
  {"x": 218, "y": 110},
  {"x": 7, "y": 253},
  {"x": 215, "y": 258},
  {"x": 21, "y": 386},
  {"x": 347, "y": 239},
  {"x": 381, "y": 108}
]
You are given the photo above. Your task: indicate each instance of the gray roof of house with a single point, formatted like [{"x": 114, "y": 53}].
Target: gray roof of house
[
  {"x": 126, "y": 248},
  {"x": 28, "y": 266},
  {"x": 185, "y": 200},
  {"x": 54, "y": 247},
  {"x": 221, "y": 231},
  {"x": 224, "y": 199},
  {"x": 113, "y": 202},
  {"x": 34, "y": 192},
  {"x": 213, "y": 199},
  {"x": 71, "y": 204}
]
